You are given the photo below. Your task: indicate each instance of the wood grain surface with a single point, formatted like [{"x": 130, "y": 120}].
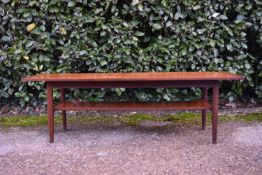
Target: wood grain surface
[{"x": 135, "y": 76}]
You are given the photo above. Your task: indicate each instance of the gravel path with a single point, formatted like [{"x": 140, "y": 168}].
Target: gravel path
[{"x": 118, "y": 149}]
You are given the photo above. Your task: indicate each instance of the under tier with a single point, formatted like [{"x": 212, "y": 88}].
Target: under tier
[{"x": 133, "y": 106}]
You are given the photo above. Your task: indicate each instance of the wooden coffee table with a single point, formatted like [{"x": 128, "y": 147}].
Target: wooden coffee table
[{"x": 203, "y": 80}]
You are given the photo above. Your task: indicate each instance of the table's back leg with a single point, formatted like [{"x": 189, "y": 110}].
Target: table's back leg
[
  {"x": 215, "y": 111},
  {"x": 204, "y": 111},
  {"x": 50, "y": 112},
  {"x": 62, "y": 99}
]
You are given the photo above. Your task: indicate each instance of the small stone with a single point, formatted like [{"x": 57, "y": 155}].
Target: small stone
[
  {"x": 5, "y": 109},
  {"x": 232, "y": 105},
  {"x": 102, "y": 154}
]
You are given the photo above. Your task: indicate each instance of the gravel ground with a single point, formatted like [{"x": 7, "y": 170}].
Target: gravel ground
[{"x": 145, "y": 149}]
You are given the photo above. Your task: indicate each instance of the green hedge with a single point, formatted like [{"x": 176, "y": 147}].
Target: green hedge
[{"x": 126, "y": 36}]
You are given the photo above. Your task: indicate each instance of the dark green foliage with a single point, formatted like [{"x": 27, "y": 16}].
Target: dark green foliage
[{"x": 127, "y": 36}]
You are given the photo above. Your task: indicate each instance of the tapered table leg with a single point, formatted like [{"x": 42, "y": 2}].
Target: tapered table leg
[
  {"x": 204, "y": 111},
  {"x": 215, "y": 111},
  {"x": 50, "y": 112},
  {"x": 62, "y": 99}
]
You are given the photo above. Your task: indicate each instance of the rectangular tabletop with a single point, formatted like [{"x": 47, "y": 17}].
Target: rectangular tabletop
[{"x": 134, "y": 76}]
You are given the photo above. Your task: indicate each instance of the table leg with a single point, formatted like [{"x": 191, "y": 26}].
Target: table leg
[
  {"x": 215, "y": 111},
  {"x": 50, "y": 112},
  {"x": 62, "y": 99},
  {"x": 204, "y": 111}
]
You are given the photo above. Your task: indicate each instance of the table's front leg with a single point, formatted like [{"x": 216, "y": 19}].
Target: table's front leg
[
  {"x": 50, "y": 111},
  {"x": 215, "y": 102},
  {"x": 204, "y": 111},
  {"x": 62, "y": 99}
]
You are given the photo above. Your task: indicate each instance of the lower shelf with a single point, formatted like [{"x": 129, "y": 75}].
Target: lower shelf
[{"x": 133, "y": 106}]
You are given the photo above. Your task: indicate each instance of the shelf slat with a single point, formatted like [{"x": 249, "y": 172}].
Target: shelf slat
[{"x": 133, "y": 106}]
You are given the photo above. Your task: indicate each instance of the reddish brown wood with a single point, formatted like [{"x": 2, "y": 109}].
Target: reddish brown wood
[
  {"x": 135, "y": 80},
  {"x": 62, "y": 99},
  {"x": 204, "y": 112},
  {"x": 50, "y": 112},
  {"x": 135, "y": 76},
  {"x": 215, "y": 112},
  {"x": 135, "y": 106}
]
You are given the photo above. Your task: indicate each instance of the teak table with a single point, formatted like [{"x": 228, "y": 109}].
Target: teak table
[{"x": 203, "y": 80}]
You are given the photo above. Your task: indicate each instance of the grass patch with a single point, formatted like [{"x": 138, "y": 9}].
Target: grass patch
[
  {"x": 25, "y": 121},
  {"x": 180, "y": 118},
  {"x": 135, "y": 119},
  {"x": 92, "y": 119},
  {"x": 254, "y": 117},
  {"x": 132, "y": 120}
]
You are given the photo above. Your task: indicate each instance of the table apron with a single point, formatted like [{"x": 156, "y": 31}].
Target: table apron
[{"x": 133, "y": 84}]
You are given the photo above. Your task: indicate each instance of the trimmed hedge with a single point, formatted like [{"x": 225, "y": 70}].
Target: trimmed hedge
[{"x": 126, "y": 36}]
